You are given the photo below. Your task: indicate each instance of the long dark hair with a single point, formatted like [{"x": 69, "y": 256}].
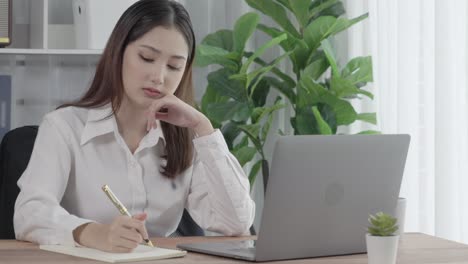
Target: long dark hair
[{"x": 107, "y": 85}]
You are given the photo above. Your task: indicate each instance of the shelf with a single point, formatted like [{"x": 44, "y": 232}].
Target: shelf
[{"x": 50, "y": 51}]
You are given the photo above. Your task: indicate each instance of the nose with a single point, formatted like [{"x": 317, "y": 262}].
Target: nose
[{"x": 157, "y": 74}]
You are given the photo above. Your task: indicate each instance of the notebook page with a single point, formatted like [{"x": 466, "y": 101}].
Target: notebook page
[{"x": 139, "y": 254}]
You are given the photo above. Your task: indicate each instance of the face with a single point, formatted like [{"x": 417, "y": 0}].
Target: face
[{"x": 153, "y": 66}]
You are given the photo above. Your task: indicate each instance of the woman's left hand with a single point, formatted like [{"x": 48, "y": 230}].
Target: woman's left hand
[{"x": 171, "y": 109}]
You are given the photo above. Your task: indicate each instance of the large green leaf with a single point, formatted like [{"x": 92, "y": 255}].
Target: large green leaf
[
  {"x": 276, "y": 12},
  {"x": 286, "y": 4},
  {"x": 260, "y": 73},
  {"x": 266, "y": 129},
  {"x": 330, "y": 54},
  {"x": 261, "y": 112},
  {"x": 289, "y": 82},
  {"x": 328, "y": 114},
  {"x": 358, "y": 70},
  {"x": 300, "y": 55},
  {"x": 335, "y": 10},
  {"x": 322, "y": 5},
  {"x": 282, "y": 87},
  {"x": 306, "y": 121},
  {"x": 344, "y": 111},
  {"x": 230, "y": 132},
  {"x": 344, "y": 88},
  {"x": 298, "y": 46},
  {"x": 368, "y": 117},
  {"x": 260, "y": 94},
  {"x": 244, "y": 154},
  {"x": 242, "y": 143},
  {"x": 256, "y": 113},
  {"x": 322, "y": 126},
  {"x": 260, "y": 51},
  {"x": 211, "y": 95},
  {"x": 234, "y": 89},
  {"x": 231, "y": 110},
  {"x": 257, "y": 73},
  {"x": 326, "y": 26},
  {"x": 254, "y": 171},
  {"x": 309, "y": 92},
  {"x": 252, "y": 131},
  {"x": 207, "y": 55},
  {"x": 243, "y": 29},
  {"x": 305, "y": 124},
  {"x": 318, "y": 30},
  {"x": 317, "y": 67},
  {"x": 287, "y": 45},
  {"x": 222, "y": 39},
  {"x": 300, "y": 8}
]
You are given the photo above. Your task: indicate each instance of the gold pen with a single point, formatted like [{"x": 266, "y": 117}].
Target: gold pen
[{"x": 121, "y": 207}]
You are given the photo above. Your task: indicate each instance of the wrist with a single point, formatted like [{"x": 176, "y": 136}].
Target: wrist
[
  {"x": 82, "y": 233},
  {"x": 203, "y": 127}
]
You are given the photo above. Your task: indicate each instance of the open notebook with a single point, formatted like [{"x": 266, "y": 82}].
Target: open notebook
[{"x": 139, "y": 254}]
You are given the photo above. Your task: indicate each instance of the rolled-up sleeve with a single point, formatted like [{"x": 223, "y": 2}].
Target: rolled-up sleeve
[
  {"x": 38, "y": 216},
  {"x": 219, "y": 197}
]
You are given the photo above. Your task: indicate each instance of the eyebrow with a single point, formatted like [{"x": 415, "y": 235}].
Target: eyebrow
[{"x": 158, "y": 51}]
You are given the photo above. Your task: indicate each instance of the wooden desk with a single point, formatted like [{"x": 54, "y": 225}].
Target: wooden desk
[{"x": 414, "y": 248}]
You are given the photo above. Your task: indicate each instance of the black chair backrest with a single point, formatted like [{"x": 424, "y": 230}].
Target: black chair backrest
[{"x": 15, "y": 152}]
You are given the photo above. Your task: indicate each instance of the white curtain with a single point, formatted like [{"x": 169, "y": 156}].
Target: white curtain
[{"x": 419, "y": 51}]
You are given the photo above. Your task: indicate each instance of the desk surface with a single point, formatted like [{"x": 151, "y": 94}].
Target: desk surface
[{"x": 414, "y": 248}]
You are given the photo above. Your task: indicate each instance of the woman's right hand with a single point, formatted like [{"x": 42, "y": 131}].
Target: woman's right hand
[{"x": 121, "y": 236}]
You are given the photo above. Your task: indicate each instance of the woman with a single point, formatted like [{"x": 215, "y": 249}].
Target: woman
[{"x": 135, "y": 130}]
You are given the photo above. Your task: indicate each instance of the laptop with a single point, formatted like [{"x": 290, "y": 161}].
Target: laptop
[{"x": 319, "y": 196}]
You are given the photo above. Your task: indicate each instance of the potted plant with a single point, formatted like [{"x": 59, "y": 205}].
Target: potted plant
[
  {"x": 318, "y": 90},
  {"x": 381, "y": 240}
]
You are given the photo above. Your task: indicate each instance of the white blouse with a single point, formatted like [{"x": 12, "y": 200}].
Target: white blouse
[{"x": 79, "y": 150}]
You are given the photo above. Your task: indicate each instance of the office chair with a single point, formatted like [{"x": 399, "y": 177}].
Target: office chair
[{"x": 15, "y": 151}]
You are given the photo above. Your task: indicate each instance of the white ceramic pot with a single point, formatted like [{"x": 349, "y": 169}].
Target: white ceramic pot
[
  {"x": 382, "y": 250},
  {"x": 400, "y": 215}
]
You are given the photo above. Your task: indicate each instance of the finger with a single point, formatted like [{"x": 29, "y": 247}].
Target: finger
[
  {"x": 139, "y": 226},
  {"x": 119, "y": 249},
  {"x": 152, "y": 112},
  {"x": 131, "y": 235},
  {"x": 147, "y": 121},
  {"x": 140, "y": 216},
  {"x": 125, "y": 244},
  {"x": 162, "y": 116},
  {"x": 153, "y": 109}
]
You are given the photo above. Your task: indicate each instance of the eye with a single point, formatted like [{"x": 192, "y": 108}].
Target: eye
[
  {"x": 146, "y": 59},
  {"x": 174, "y": 68}
]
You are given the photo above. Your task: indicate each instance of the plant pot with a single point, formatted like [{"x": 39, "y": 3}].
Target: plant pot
[
  {"x": 382, "y": 250},
  {"x": 400, "y": 215}
]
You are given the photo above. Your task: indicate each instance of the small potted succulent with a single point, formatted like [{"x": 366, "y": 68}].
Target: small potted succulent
[{"x": 381, "y": 240}]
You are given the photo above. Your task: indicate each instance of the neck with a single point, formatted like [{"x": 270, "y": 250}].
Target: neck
[{"x": 131, "y": 122}]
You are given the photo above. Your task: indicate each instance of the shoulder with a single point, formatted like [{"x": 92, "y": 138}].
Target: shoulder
[
  {"x": 67, "y": 120},
  {"x": 68, "y": 115}
]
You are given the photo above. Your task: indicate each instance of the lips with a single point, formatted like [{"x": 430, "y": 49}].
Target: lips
[{"x": 151, "y": 92}]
